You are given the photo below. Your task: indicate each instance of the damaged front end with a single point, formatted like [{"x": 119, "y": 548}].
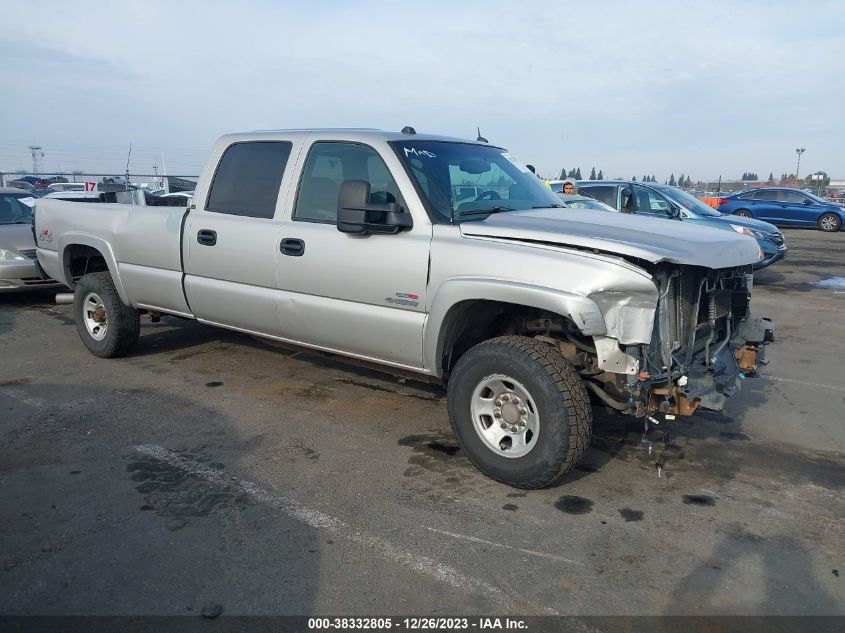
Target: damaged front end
[{"x": 705, "y": 341}]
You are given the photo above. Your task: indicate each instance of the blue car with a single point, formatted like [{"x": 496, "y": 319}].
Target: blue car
[
  {"x": 785, "y": 207},
  {"x": 662, "y": 201}
]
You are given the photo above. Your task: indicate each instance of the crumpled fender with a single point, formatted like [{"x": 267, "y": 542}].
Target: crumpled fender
[{"x": 582, "y": 310}]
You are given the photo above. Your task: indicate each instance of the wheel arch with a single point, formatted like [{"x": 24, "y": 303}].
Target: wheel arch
[
  {"x": 83, "y": 253},
  {"x": 467, "y": 311}
]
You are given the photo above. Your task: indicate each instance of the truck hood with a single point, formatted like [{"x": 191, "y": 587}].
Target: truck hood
[
  {"x": 653, "y": 240},
  {"x": 15, "y": 237}
]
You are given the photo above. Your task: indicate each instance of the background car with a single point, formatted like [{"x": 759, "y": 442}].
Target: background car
[
  {"x": 785, "y": 207},
  {"x": 19, "y": 269},
  {"x": 575, "y": 201},
  {"x": 662, "y": 201}
]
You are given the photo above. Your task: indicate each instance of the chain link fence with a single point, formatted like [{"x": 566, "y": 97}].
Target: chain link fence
[{"x": 144, "y": 189}]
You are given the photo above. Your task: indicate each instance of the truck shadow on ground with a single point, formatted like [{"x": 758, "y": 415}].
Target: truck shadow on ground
[
  {"x": 788, "y": 583},
  {"x": 102, "y": 527}
]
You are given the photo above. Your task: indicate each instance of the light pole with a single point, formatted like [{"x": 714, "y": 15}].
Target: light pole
[{"x": 799, "y": 151}]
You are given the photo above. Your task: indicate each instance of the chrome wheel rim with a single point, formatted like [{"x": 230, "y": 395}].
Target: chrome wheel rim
[
  {"x": 828, "y": 223},
  {"x": 94, "y": 316},
  {"x": 505, "y": 416}
]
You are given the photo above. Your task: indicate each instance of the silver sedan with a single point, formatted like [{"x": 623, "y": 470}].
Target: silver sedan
[{"x": 19, "y": 268}]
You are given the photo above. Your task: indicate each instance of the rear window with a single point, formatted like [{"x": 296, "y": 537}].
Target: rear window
[{"x": 248, "y": 179}]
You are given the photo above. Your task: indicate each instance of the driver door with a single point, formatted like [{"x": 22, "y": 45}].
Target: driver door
[
  {"x": 651, "y": 204},
  {"x": 362, "y": 295}
]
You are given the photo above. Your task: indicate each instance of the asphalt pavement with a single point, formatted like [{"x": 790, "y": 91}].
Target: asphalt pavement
[{"x": 211, "y": 468}]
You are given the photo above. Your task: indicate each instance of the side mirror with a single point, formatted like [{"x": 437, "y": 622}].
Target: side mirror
[{"x": 355, "y": 213}]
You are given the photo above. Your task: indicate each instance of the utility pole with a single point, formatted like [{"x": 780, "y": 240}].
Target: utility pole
[
  {"x": 799, "y": 151},
  {"x": 37, "y": 157},
  {"x": 129, "y": 156}
]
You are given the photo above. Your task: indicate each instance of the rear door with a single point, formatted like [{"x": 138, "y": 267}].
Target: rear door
[
  {"x": 604, "y": 193},
  {"x": 764, "y": 205},
  {"x": 362, "y": 295},
  {"x": 230, "y": 245}
]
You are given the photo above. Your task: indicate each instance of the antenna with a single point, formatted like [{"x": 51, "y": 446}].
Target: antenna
[
  {"x": 126, "y": 184},
  {"x": 480, "y": 138}
]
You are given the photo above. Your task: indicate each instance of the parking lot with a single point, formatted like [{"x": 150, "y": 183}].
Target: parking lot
[{"x": 211, "y": 468}]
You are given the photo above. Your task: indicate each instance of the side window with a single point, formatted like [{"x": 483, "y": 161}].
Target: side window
[
  {"x": 327, "y": 166},
  {"x": 766, "y": 194},
  {"x": 248, "y": 178},
  {"x": 649, "y": 201},
  {"x": 791, "y": 197},
  {"x": 602, "y": 193}
]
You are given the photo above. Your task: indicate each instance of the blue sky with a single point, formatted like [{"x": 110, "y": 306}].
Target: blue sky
[{"x": 629, "y": 87}]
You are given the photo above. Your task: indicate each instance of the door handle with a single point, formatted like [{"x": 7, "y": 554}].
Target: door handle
[
  {"x": 292, "y": 246},
  {"x": 207, "y": 237}
]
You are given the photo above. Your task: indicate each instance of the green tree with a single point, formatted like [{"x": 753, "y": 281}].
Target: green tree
[
  {"x": 593, "y": 174},
  {"x": 571, "y": 174},
  {"x": 672, "y": 179},
  {"x": 814, "y": 185},
  {"x": 689, "y": 182},
  {"x": 653, "y": 179},
  {"x": 633, "y": 178},
  {"x": 578, "y": 174},
  {"x": 601, "y": 175},
  {"x": 771, "y": 179}
]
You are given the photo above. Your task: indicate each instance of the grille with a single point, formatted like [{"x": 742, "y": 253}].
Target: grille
[{"x": 31, "y": 253}]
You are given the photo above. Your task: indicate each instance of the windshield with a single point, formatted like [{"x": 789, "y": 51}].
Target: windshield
[
  {"x": 689, "y": 202},
  {"x": 470, "y": 181},
  {"x": 12, "y": 210},
  {"x": 815, "y": 197}
]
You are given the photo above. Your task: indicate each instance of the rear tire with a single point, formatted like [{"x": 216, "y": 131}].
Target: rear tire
[
  {"x": 107, "y": 327},
  {"x": 830, "y": 223},
  {"x": 743, "y": 213},
  {"x": 519, "y": 411}
]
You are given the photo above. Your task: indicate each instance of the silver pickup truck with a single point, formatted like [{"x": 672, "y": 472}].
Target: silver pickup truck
[{"x": 367, "y": 244}]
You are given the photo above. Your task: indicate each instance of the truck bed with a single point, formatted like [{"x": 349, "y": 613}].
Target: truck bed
[{"x": 143, "y": 243}]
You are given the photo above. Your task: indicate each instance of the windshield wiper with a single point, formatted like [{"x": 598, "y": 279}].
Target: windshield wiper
[
  {"x": 490, "y": 210},
  {"x": 550, "y": 206}
]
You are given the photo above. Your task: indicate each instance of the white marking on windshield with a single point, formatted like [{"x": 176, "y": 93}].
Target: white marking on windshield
[{"x": 412, "y": 151}]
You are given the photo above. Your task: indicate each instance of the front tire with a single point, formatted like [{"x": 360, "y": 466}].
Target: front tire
[
  {"x": 743, "y": 213},
  {"x": 107, "y": 327},
  {"x": 519, "y": 411},
  {"x": 830, "y": 223}
]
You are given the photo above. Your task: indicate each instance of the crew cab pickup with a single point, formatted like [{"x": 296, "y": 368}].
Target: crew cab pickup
[{"x": 358, "y": 242}]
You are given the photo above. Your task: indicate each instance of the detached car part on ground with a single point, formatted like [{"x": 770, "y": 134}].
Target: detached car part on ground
[
  {"x": 365, "y": 244},
  {"x": 19, "y": 268}
]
